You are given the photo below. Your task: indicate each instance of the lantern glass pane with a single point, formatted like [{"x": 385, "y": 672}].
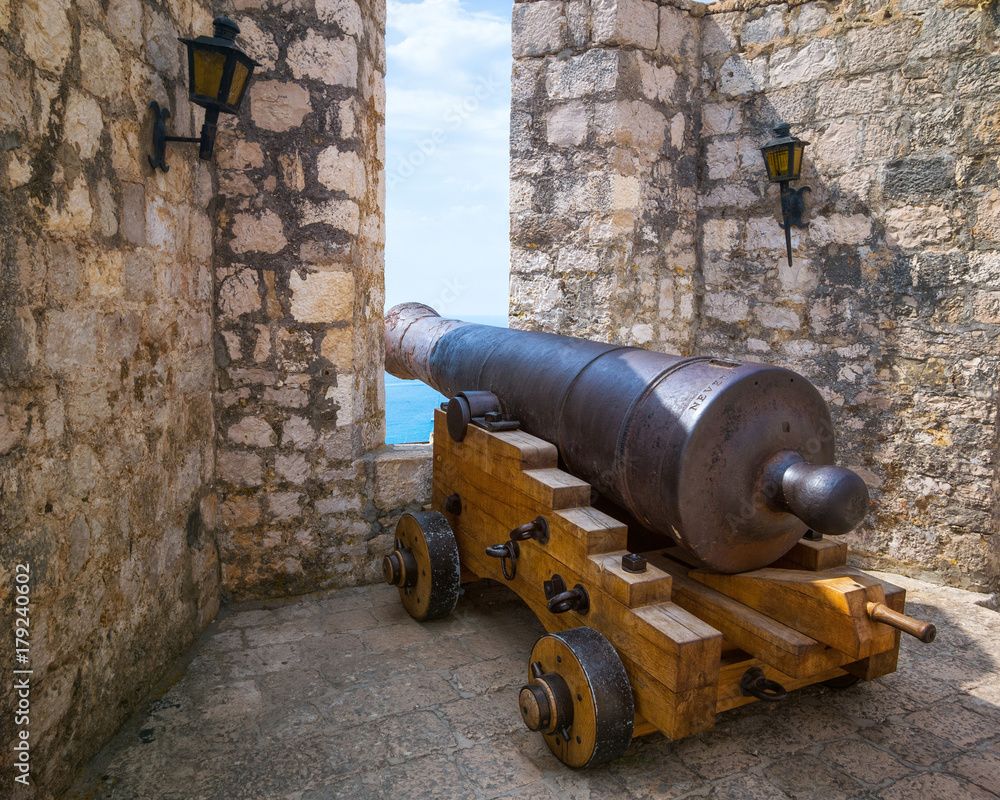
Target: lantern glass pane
[
  {"x": 797, "y": 165},
  {"x": 208, "y": 69},
  {"x": 240, "y": 75},
  {"x": 777, "y": 162}
]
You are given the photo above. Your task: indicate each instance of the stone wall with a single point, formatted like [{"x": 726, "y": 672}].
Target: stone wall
[
  {"x": 891, "y": 303},
  {"x": 106, "y": 371},
  {"x": 306, "y": 496}
]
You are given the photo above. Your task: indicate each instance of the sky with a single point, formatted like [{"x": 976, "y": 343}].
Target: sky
[{"x": 447, "y": 118}]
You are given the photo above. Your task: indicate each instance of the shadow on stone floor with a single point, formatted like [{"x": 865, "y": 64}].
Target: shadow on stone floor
[{"x": 342, "y": 695}]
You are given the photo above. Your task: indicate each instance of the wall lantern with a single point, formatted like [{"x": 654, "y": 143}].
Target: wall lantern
[
  {"x": 219, "y": 74},
  {"x": 783, "y": 159}
]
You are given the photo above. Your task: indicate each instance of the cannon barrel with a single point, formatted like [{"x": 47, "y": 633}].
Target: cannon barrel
[{"x": 731, "y": 460}]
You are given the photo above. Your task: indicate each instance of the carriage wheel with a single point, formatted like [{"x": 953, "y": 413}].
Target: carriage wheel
[
  {"x": 578, "y": 697},
  {"x": 424, "y": 565}
]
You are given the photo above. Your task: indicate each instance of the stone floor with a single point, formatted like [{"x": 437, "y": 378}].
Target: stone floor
[{"x": 342, "y": 695}]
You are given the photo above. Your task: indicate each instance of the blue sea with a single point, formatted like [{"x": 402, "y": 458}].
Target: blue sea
[{"x": 409, "y": 405}]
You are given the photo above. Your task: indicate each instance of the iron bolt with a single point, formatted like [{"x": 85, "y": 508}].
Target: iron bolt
[{"x": 633, "y": 562}]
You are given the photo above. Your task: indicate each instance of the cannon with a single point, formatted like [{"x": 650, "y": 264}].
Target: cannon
[
  {"x": 732, "y": 460},
  {"x": 666, "y": 518}
]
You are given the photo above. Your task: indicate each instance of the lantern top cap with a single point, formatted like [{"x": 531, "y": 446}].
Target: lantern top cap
[
  {"x": 783, "y": 136},
  {"x": 225, "y": 28},
  {"x": 222, "y": 39}
]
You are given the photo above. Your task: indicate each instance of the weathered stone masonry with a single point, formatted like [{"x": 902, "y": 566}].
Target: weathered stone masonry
[
  {"x": 107, "y": 454},
  {"x": 640, "y": 213},
  {"x": 307, "y": 497}
]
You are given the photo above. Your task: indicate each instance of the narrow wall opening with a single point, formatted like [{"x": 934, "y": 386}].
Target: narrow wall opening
[{"x": 447, "y": 153}]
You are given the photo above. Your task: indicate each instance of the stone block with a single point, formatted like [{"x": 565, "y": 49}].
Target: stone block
[
  {"x": 793, "y": 65},
  {"x": 298, "y": 433},
  {"x": 854, "y": 229},
  {"x": 721, "y": 159},
  {"x": 322, "y": 296},
  {"x": 253, "y": 432},
  {"x": 333, "y": 61},
  {"x": 402, "y": 476},
  {"x": 572, "y": 259},
  {"x": 239, "y": 294},
  {"x": 919, "y": 179},
  {"x": 240, "y": 512},
  {"x": 720, "y": 235},
  {"x": 918, "y": 226},
  {"x": 863, "y": 95},
  {"x": 578, "y": 22},
  {"x": 777, "y": 317},
  {"x": 566, "y": 124},
  {"x": 237, "y": 154},
  {"x": 341, "y": 171},
  {"x": 133, "y": 221},
  {"x": 718, "y": 32},
  {"x": 342, "y": 214},
  {"x": 987, "y": 225},
  {"x": 591, "y": 72},
  {"x": 729, "y": 307},
  {"x": 640, "y": 126},
  {"x": 764, "y": 234},
  {"x": 162, "y": 48},
  {"x": 124, "y": 18},
  {"x": 537, "y": 28},
  {"x": 838, "y": 146},
  {"x": 524, "y": 262},
  {"x": 338, "y": 347},
  {"x": 632, "y": 23},
  {"x": 799, "y": 279},
  {"x": 809, "y": 17},
  {"x": 945, "y": 31},
  {"x": 258, "y": 44},
  {"x": 293, "y": 468},
  {"x": 84, "y": 124},
  {"x": 869, "y": 49},
  {"x": 286, "y": 396},
  {"x": 278, "y": 106},
  {"x": 262, "y": 233},
  {"x": 101, "y": 68},
  {"x": 346, "y": 14},
  {"x": 657, "y": 82},
  {"x": 46, "y": 33},
  {"x": 768, "y": 26},
  {"x": 240, "y": 468},
  {"x": 739, "y": 77},
  {"x": 71, "y": 339},
  {"x": 720, "y": 118},
  {"x": 284, "y": 505}
]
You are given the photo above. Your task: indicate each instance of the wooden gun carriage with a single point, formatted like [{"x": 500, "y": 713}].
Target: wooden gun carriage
[{"x": 653, "y": 623}]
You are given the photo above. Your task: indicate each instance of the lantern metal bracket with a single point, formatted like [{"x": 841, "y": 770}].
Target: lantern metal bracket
[
  {"x": 793, "y": 205},
  {"x": 206, "y": 141}
]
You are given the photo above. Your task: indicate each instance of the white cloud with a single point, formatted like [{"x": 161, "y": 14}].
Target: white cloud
[
  {"x": 439, "y": 35},
  {"x": 447, "y": 129}
]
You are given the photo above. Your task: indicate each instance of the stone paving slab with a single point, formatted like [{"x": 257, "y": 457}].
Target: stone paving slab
[{"x": 342, "y": 695}]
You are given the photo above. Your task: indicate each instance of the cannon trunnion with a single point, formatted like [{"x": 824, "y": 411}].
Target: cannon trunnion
[{"x": 697, "y": 624}]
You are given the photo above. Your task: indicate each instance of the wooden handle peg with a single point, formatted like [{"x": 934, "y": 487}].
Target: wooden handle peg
[{"x": 924, "y": 631}]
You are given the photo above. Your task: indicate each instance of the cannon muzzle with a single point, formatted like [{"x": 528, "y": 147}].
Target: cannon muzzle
[{"x": 731, "y": 460}]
